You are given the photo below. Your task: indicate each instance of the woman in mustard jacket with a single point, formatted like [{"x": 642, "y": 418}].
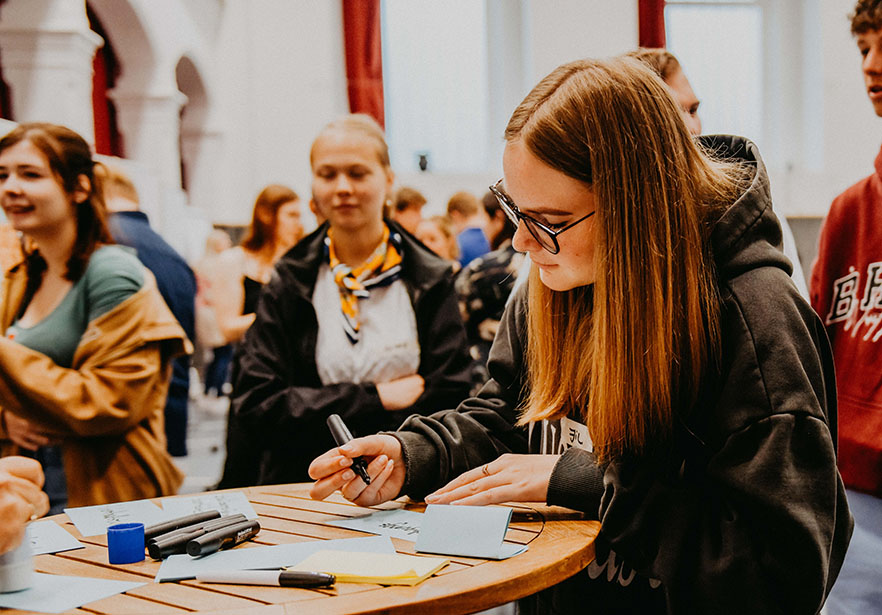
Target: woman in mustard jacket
[{"x": 84, "y": 360}]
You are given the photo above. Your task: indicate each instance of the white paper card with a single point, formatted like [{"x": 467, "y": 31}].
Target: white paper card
[
  {"x": 225, "y": 503},
  {"x": 469, "y": 531},
  {"x": 404, "y": 524},
  {"x": 180, "y": 567},
  {"x": 49, "y": 537},
  {"x": 52, "y": 593},
  {"x": 94, "y": 520}
]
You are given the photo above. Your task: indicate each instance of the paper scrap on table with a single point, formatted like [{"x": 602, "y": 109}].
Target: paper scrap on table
[
  {"x": 468, "y": 531},
  {"x": 396, "y": 523},
  {"x": 181, "y": 567},
  {"x": 53, "y": 593},
  {"x": 225, "y": 503},
  {"x": 380, "y": 568},
  {"x": 49, "y": 537},
  {"x": 94, "y": 520}
]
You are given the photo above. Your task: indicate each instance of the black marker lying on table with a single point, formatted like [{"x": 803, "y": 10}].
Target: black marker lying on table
[
  {"x": 342, "y": 436},
  {"x": 285, "y": 578},
  {"x": 223, "y": 538}
]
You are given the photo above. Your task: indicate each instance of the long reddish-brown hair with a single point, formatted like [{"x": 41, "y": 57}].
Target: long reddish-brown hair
[
  {"x": 628, "y": 352},
  {"x": 69, "y": 159},
  {"x": 265, "y": 217}
]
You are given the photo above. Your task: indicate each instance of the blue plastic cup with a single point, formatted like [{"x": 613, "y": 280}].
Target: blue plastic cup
[{"x": 125, "y": 543}]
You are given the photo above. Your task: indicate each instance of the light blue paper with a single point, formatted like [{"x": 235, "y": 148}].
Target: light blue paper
[
  {"x": 180, "y": 567},
  {"x": 467, "y": 531},
  {"x": 225, "y": 503},
  {"x": 53, "y": 593},
  {"x": 94, "y": 520},
  {"x": 49, "y": 537},
  {"x": 397, "y": 523}
]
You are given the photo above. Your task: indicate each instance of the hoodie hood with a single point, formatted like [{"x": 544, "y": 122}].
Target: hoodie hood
[{"x": 748, "y": 235}]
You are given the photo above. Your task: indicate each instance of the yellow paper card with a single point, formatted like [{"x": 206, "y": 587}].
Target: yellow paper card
[{"x": 380, "y": 568}]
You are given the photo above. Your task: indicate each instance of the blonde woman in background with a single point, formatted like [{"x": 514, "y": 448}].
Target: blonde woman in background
[{"x": 361, "y": 320}]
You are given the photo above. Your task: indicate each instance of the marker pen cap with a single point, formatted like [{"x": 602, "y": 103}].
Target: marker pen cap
[{"x": 125, "y": 543}]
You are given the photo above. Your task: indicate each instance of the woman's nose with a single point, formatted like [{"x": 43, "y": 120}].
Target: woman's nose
[
  {"x": 523, "y": 241},
  {"x": 10, "y": 184},
  {"x": 342, "y": 184}
]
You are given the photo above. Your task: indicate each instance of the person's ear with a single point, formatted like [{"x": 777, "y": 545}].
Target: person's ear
[{"x": 83, "y": 189}]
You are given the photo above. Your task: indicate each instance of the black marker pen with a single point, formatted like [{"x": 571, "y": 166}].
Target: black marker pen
[
  {"x": 175, "y": 542},
  {"x": 342, "y": 436},
  {"x": 175, "y": 524},
  {"x": 224, "y": 538}
]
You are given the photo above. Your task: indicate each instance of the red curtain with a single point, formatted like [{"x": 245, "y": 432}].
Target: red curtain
[
  {"x": 651, "y": 15},
  {"x": 105, "y": 70},
  {"x": 364, "y": 61},
  {"x": 5, "y": 100}
]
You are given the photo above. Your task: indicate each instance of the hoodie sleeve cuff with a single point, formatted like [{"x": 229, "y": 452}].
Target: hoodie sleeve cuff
[
  {"x": 420, "y": 464},
  {"x": 576, "y": 482}
]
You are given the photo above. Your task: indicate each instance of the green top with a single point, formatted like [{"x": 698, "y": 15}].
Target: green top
[{"x": 114, "y": 273}]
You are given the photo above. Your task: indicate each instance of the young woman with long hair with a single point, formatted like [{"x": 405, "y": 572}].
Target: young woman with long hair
[
  {"x": 275, "y": 227},
  {"x": 660, "y": 362},
  {"x": 87, "y": 338},
  {"x": 360, "y": 319}
]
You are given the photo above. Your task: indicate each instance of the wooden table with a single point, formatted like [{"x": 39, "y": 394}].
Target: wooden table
[{"x": 560, "y": 544}]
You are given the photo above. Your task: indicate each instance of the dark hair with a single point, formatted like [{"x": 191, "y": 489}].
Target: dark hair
[
  {"x": 266, "y": 216},
  {"x": 494, "y": 210},
  {"x": 69, "y": 159},
  {"x": 867, "y": 16}
]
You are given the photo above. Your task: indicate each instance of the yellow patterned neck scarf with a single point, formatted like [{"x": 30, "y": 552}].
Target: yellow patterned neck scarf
[{"x": 380, "y": 269}]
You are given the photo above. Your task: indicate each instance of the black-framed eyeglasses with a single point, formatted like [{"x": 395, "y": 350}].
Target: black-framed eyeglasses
[{"x": 546, "y": 237}]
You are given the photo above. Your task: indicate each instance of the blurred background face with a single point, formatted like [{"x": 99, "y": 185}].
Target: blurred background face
[
  {"x": 409, "y": 218},
  {"x": 688, "y": 101},
  {"x": 434, "y": 238},
  {"x": 349, "y": 183},
  {"x": 289, "y": 228}
]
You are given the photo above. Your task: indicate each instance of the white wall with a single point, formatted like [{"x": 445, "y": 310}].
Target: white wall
[
  {"x": 839, "y": 129},
  {"x": 281, "y": 77},
  {"x": 551, "y": 33}
]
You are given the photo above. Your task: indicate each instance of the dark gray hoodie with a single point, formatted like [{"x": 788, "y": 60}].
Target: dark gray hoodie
[{"x": 744, "y": 510}]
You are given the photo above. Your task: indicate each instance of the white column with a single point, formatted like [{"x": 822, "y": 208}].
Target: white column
[
  {"x": 201, "y": 151},
  {"x": 151, "y": 131},
  {"x": 47, "y": 50}
]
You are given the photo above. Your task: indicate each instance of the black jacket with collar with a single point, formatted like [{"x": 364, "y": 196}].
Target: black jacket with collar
[
  {"x": 278, "y": 396},
  {"x": 744, "y": 511}
]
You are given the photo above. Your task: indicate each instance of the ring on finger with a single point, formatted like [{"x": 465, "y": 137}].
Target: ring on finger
[{"x": 486, "y": 469}]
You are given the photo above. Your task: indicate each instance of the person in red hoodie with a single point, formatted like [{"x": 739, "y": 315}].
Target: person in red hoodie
[{"x": 846, "y": 291}]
